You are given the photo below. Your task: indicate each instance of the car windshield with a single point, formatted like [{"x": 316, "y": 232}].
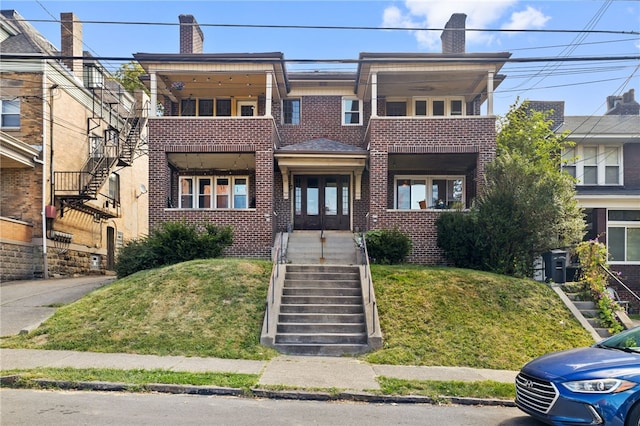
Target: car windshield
[{"x": 628, "y": 340}]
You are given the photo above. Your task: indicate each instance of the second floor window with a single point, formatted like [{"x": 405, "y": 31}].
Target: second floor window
[
  {"x": 351, "y": 112},
  {"x": 438, "y": 107},
  {"x": 291, "y": 111},
  {"x": 594, "y": 164},
  {"x": 623, "y": 236},
  {"x": 10, "y": 113},
  {"x": 114, "y": 187},
  {"x": 214, "y": 192}
]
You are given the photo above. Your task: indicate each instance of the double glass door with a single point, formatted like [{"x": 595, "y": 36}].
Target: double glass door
[{"x": 321, "y": 202}]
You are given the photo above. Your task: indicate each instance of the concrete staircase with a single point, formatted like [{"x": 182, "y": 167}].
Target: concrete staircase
[
  {"x": 314, "y": 247},
  {"x": 321, "y": 311},
  {"x": 587, "y": 309}
]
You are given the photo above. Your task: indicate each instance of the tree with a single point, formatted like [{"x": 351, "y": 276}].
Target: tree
[
  {"x": 129, "y": 76},
  {"x": 528, "y": 205}
]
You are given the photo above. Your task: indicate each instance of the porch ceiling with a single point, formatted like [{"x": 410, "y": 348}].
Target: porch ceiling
[
  {"x": 212, "y": 85},
  {"x": 448, "y": 163},
  {"x": 460, "y": 83},
  {"x": 212, "y": 161}
]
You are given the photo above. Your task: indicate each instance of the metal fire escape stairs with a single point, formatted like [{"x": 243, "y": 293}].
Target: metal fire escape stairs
[{"x": 75, "y": 189}]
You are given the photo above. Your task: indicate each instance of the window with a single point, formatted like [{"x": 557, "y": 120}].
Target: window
[
  {"x": 396, "y": 109},
  {"x": 351, "y": 112},
  {"x": 114, "y": 187},
  {"x": 206, "y": 192},
  {"x": 433, "y": 192},
  {"x": 594, "y": 165},
  {"x": 291, "y": 111},
  {"x": 188, "y": 107},
  {"x": 623, "y": 236},
  {"x": 205, "y": 107},
  {"x": 438, "y": 107},
  {"x": 223, "y": 107},
  {"x": 247, "y": 108},
  {"x": 10, "y": 113}
]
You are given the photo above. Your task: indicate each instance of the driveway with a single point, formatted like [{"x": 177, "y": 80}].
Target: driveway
[{"x": 24, "y": 305}]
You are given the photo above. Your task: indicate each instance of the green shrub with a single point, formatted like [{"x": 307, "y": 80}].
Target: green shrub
[
  {"x": 460, "y": 239},
  {"x": 172, "y": 242},
  {"x": 387, "y": 246}
]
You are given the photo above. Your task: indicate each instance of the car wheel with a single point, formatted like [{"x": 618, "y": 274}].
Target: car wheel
[{"x": 633, "y": 418}]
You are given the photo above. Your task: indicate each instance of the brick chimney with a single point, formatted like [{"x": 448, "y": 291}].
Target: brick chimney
[
  {"x": 453, "y": 36},
  {"x": 191, "y": 37},
  {"x": 623, "y": 105},
  {"x": 71, "y": 41}
]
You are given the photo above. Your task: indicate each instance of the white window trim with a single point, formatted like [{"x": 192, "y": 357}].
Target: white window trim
[
  {"x": 195, "y": 196},
  {"x": 621, "y": 224},
  {"x": 344, "y": 111},
  {"x": 19, "y": 113},
  {"x": 601, "y": 165},
  {"x": 428, "y": 184},
  {"x": 246, "y": 102}
]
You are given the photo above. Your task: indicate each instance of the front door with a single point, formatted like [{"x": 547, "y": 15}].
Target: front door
[{"x": 321, "y": 202}]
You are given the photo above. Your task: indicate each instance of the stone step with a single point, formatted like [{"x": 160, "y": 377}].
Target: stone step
[
  {"x": 301, "y": 283},
  {"x": 322, "y": 328},
  {"x": 323, "y": 291},
  {"x": 590, "y": 313},
  {"x": 586, "y": 305},
  {"x": 322, "y": 268},
  {"x": 318, "y": 300},
  {"x": 322, "y": 338},
  {"x": 322, "y": 350},
  {"x": 327, "y": 309},
  {"x": 323, "y": 276},
  {"x": 320, "y": 317}
]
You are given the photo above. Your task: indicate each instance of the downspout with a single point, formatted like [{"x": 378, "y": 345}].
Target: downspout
[{"x": 45, "y": 262}]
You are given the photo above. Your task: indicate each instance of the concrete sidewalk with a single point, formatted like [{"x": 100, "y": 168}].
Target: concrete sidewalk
[
  {"x": 291, "y": 371},
  {"x": 25, "y": 304}
]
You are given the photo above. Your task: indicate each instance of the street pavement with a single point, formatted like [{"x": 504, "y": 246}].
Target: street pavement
[{"x": 25, "y": 304}]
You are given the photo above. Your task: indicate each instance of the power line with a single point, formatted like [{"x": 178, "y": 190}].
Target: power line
[{"x": 338, "y": 27}]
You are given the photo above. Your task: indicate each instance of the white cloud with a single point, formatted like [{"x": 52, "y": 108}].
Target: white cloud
[
  {"x": 527, "y": 19},
  {"x": 480, "y": 14}
]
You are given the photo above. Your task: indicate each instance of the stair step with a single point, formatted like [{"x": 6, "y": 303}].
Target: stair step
[
  {"x": 322, "y": 350},
  {"x": 326, "y": 309},
  {"x": 322, "y": 268},
  {"x": 318, "y": 300},
  {"x": 323, "y": 276},
  {"x": 322, "y": 338},
  {"x": 328, "y": 292},
  {"x": 306, "y": 328},
  {"x": 321, "y": 283},
  {"x": 320, "y": 318},
  {"x": 586, "y": 304}
]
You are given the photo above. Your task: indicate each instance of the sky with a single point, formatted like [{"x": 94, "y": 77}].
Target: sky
[{"x": 558, "y": 32}]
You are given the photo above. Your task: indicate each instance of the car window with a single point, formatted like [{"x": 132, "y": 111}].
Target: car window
[{"x": 629, "y": 339}]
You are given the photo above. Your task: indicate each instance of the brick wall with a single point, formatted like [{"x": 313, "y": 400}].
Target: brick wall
[
  {"x": 320, "y": 117},
  {"x": 253, "y": 233},
  {"x": 422, "y": 136}
]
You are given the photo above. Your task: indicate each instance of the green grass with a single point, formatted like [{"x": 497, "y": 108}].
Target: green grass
[
  {"x": 200, "y": 308},
  {"x": 135, "y": 378},
  {"x": 436, "y": 389},
  {"x": 215, "y": 308},
  {"x": 459, "y": 317}
]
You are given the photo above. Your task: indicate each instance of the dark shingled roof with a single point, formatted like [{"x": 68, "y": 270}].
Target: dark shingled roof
[
  {"x": 323, "y": 145},
  {"x": 29, "y": 40},
  {"x": 602, "y": 125}
]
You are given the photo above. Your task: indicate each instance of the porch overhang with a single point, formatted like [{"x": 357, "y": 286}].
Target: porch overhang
[{"x": 321, "y": 156}]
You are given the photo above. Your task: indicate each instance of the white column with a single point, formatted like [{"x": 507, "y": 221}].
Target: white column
[
  {"x": 490, "y": 93},
  {"x": 268, "y": 94},
  {"x": 374, "y": 95},
  {"x": 154, "y": 95}
]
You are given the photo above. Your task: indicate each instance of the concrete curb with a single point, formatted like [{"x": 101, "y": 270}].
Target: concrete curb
[{"x": 10, "y": 381}]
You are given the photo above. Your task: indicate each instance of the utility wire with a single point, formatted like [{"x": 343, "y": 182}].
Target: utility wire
[{"x": 337, "y": 27}]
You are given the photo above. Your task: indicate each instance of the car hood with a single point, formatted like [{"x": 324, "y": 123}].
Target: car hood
[{"x": 585, "y": 363}]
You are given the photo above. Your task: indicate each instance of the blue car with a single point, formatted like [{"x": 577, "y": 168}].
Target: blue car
[{"x": 597, "y": 385}]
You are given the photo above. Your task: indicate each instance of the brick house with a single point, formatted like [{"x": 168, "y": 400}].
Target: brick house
[
  {"x": 242, "y": 141},
  {"x": 71, "y": 159},
  {"x": 605, "y": 161}
]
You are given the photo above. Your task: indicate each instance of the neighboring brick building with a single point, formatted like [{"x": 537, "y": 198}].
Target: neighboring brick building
[
  {"x": 606, "y": 163},
  {"x": 71, "y": 162},
  {"x": 242, "y": 141}
]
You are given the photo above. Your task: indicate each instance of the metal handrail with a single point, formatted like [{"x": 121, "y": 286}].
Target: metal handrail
[
  {"x": 619, "y": 281},
  {"x": 365, "y": 263}
]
